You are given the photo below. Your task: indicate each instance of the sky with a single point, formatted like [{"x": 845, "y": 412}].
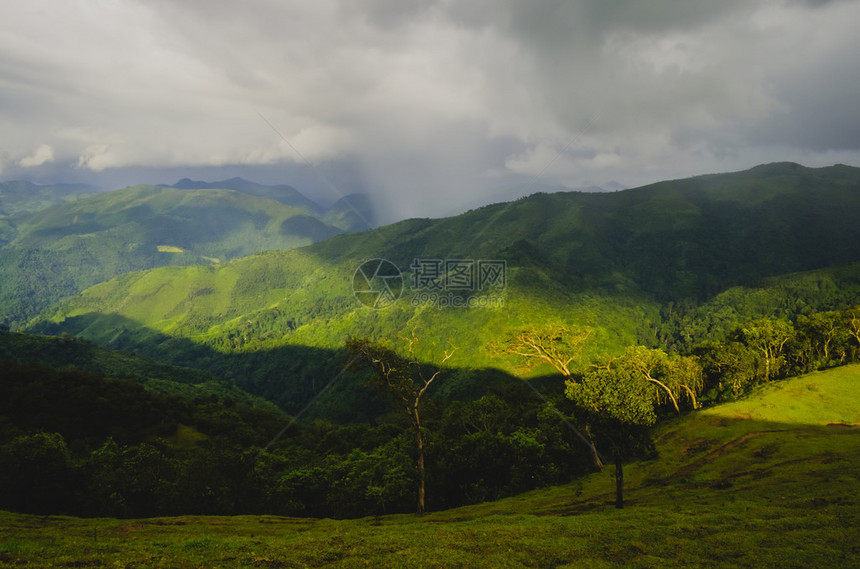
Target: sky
[{"x": 436, "y": 106}]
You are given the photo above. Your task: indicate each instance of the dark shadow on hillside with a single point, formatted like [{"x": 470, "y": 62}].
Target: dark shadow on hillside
[
  {"x": 753, "y": 461},
  {"x": 290, "y": 376}
]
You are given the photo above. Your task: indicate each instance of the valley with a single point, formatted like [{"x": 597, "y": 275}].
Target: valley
[
  {"x": 368, "y": 283},
  {"x": 671, "y": 265},
  {"x": 62, "y": 249},
  {"x": 198, "y": 373}
]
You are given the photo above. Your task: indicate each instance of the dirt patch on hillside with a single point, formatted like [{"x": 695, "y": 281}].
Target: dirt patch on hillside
[
  {"x": 843, "y": 425},
  {"x": 717, "y": 453}
]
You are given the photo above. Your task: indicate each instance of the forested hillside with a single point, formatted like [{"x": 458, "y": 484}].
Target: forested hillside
[
  {"x": 614, "y": 323},
  {"x": 21, "y": 197},
  {"x": 76, "y": 354},
  {"x": 63, "y": 249},
  {"x": 668, "y": 265},
  {"x": 80, "y": 443}
]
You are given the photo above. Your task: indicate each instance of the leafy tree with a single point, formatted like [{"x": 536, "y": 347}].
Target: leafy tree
[
  {"x": 727, "y": 364},
  {"x": 37, "y": 474},
  {"x": 404, "y": 379},
  {"x": 825, "y": 336},
  {"x": 139, "y": 480},
  {"x": 368, "y": 482},
  {"x": 768, "y": 338},
  {"x": 675, "y": 376},
  {"x": 620, "y": 395},
  {"x": 303, "y": 491},
  {"x": 620, "y": 404},
  {"x": 555, "y": 345}
]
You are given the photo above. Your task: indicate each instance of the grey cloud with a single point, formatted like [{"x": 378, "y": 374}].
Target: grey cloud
[
  {"x": 821, "y": 110},
  {"x": 429, "y": 101}
]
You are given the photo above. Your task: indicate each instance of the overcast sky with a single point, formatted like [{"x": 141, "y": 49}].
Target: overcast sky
[{"x": 438, "y": 105}]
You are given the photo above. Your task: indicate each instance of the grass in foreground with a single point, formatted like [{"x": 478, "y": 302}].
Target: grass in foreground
[{"x": 768, "y": 481}]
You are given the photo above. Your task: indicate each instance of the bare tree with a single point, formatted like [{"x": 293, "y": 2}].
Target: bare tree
[
  {"x": 555, "y": 345},
  {"x": 404, "y": 379}
]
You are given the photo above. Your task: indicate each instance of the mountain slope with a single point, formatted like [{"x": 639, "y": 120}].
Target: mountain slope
[
  {"x": 618, "y": 262},
  {"x": 67, "y": 353},
  {"x": 281, "y": 193},
  {"x": 18, "y": 197},
  {"x": 354, "y": 212},
  {"x": 66, "y": 248},
  {"x": 752, "y": 483}
]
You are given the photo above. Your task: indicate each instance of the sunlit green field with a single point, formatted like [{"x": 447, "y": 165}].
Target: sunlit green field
[{"x": 769, "y": 481}]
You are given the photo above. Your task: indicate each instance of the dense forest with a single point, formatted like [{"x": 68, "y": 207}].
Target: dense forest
[
  {"x": 263, "y": 385},
  {"x": 79, "y": 443}
]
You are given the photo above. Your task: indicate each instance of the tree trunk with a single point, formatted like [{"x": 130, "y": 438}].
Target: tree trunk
[
  {"x": 669, "y": 391},
  {"x": 692, "y": 395},
  {"x": 766, "y": 366},
  {"x": 419, "y": 440},
  {"x": 619, "y": 483},
  {"x": 594, "y": 456}
]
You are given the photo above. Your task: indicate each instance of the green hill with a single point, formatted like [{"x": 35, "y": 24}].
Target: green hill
[
  {"x": 20, "y": 197},
  {"x": 354, "y": 212},
  {"x": 68, "y": 353},
  {"x": 769, "y": 480},
  {"x": 281, "y": 193},
  {"x": 65, "y": 248},
  {"x": 666, "y": 264}
]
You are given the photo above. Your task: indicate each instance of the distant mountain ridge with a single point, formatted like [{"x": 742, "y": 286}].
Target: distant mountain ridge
[
  {"x": 20, "y": 197},
  {"x": 353, "y": 212},
  {"x": 67, "y": 247},
  {"x": 281, "y": 193}
]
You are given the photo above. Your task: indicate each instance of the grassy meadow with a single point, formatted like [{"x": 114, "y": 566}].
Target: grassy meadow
[{"x": 767, "y": 481}]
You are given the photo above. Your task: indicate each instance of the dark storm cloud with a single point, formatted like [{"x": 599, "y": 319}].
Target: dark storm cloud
[
  {"x": 820, "y": 108},
  {"x": 434, "y": 103}
]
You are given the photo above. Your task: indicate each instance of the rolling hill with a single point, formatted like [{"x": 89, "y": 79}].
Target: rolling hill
[
  {"x": 353, "y": 212},
  {"x": 19, "y": 197},
  {"x": 683, "y": 259},
  {"x": 65, "y": 248},
  {"x": 74, "y": 354},
  {"x": 281, "y": 193},
  {"x": 769, "y": 480}
]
